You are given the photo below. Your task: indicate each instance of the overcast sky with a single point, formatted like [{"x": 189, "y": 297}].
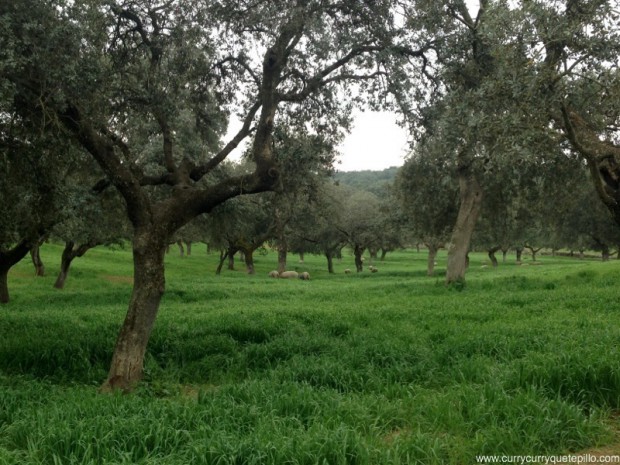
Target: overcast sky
[{"x": 375, "y": 143}]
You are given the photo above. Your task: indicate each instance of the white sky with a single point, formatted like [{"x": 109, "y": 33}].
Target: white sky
[{"x": 376, "y": 142}]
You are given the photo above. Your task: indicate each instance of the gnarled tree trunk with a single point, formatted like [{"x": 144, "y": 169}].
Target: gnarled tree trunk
[
  {"x": 35, "y": 254},
  {"x": 69, "y": 253},
  {"x": 491, "y": 253},
  {"x": 126, "y": 369},
  {"x": 469, "y": 210}
]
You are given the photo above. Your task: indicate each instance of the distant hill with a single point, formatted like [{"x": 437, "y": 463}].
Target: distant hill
[{"x": 367, "y": 180}]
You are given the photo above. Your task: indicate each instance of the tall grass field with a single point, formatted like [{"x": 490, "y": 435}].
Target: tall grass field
[{"x": 371, "y": 368}]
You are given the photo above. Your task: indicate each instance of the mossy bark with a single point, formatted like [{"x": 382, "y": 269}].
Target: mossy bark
[
  {"x": 126, "y": 368},
  {"x": 469, "y": 210}
]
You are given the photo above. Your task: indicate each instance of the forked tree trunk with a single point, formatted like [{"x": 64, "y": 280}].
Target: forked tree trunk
[
  {"x": 533, "y": 251},
  {"x": 181, "y": 249},
  {"x": 504, "y": 254},
  {"x": 432, "y": 255},
  {"x": 39, "y": 266},
  {"x": 69, "y": 253},
  {"x": 491, "y": 253},
  {"x": 383, "y": 254},
  {"x": 469, "y": 210},
  {"x": 126, "y": 369}
]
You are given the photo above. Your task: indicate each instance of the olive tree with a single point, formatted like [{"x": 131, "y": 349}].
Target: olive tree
[{"x": 117, "y": 75}]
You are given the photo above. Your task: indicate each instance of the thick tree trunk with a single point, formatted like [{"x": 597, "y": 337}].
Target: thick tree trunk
[
  {"x": 63, "y": 273},
  {"x": 359, "y": 263},
  {"x": 373, "y": 254},
  {"x": 181, "y": 249},
  {"x": 9, "y": 258},
  {"x": 432, "y": 255},
  {"x": 188, "y": 248},
  {"x": 149, "y": 283},
  {"x": 605, "y": 254},
  {"x": 383, "y": 254},
  {"x": 504, "y": 254},
  {"x": 519, "y": 251},
  {"x": 35, "y": 254},
  {"x": 301, "y": 257},
  {"x": 330, "y": 262},
  {"x": 248, "y": 256},
  {"x": 491, "y": 253},
  {"x": 231, "y": 259},
  {"x": 469, "y": 210}
]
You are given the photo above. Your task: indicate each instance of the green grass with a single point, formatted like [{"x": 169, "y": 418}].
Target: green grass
[{"x": 385, "y": 368}]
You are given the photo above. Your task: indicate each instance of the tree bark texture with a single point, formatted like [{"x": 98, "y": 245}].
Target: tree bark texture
[
  {"x": 35, "y": 254},
  {"x": 126, "y": 369},
  {"x": 469, "y": 210}
]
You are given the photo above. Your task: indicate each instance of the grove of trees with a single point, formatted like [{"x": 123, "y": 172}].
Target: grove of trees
[{"x": 113, "y": 117}]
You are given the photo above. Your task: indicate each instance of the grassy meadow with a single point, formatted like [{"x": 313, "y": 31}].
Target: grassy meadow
[{"x": 385, "y": 368}]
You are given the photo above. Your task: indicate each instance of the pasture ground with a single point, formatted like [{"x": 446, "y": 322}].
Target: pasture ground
[{"x": 385, "y": 368}]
